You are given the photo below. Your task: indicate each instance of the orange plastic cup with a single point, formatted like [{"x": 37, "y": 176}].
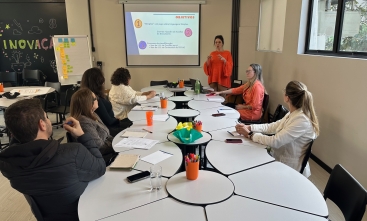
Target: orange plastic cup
[
  {"x": 164, "y": 103},
  {"x": 149, "y": 117},
  {"x": 181, "y": 84},
  {"x": 192, "y": 170},
  {"x": 1, "y": 87},
  {"x": 199, "y": 128}
]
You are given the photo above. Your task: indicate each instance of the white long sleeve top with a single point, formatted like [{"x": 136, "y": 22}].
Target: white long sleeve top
[
  {"x": 293, "y": 133},
  {"x": 123, "y": 98}
]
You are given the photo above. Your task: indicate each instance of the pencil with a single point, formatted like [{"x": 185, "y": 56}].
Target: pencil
[{"x": 147, "y": 131}]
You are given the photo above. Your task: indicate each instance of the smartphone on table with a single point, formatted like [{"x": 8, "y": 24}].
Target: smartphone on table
[
  {"x": 233, "y": 140},
  {"x": 218, "y": 114},
  {"x": 139, "y": 176}
]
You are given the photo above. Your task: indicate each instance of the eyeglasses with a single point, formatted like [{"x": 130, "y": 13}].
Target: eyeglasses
[{"x": 249, "y": 71}]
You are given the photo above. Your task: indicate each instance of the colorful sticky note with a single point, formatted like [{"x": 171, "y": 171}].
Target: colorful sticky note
[
  {"x": 73, "y": 43},
  {"x": 61, "y": 45},
  {"x": 72, "y": 39},
  {"x": 63, "y": 61},
  {"x": 67, "y": 56},
  {"x": 66, "y": 76},
  {"x": 57, "y": 48},
  {"x": 66, "y": 40},
  {"x": 60, "y": 40}
]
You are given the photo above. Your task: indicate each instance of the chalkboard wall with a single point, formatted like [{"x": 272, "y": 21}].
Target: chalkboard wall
[{"x": 25, "y": 35}]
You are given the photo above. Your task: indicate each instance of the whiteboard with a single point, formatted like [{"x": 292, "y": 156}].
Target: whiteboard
[{"x": 73, "y": 57}]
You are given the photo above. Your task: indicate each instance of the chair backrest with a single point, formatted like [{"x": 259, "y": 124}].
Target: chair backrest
[
  {"x": 34, "y": 207},
  {"x": 69, "y": 94},
  {"x": 55, "y": 85},
  {"x": 265, "y": 106},
  {"x": 307, "y": 156},
  {"x": 279, "y": 113},
  {"x": 31, "y": 77},
  {"x": 347, "y": 193},
  {"x": 236, "y": 83},
  {"x": 9, "y": 77},
  {"x": 154, "y": 83}
]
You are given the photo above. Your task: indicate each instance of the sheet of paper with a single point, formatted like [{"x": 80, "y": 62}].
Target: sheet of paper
[
  {"x": 235, "y": 134},
  {"x": 32, "y": 91},
  {"x": 226, "y": 111},
  {"x": 144, "y": 108},
  {"x": 215, "y": 98},
  {"x": 139, "y": 143},
  {"x": 156, "y": 157},
  {"x": 138, "y": 134},
  {"x": 160, "y": 117}
]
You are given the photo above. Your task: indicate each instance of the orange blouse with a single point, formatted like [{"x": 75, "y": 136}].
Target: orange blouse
[
  {"x": 253, "y": 97},
  {"x": 217, "y": 70}
]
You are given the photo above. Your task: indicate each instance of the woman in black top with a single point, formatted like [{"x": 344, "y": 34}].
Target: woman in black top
[{"x": 94, "y": 80}]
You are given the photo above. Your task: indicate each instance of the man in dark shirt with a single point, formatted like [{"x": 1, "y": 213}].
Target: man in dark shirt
[{"x": 54, "y": 174}]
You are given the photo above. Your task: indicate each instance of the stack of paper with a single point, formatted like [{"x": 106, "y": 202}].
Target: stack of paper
[
  {"x": 125, "y": 161},
  {"x": 160, "y": 117},
  {"x": 226, "y": 110},
  {"x": 156, "y": 157},
  {"x": 216, "y": 98},
  {"x": 144, "y": 108},
  {"x": 138, "y": 134},
  {"x": 139, "y": 143}
]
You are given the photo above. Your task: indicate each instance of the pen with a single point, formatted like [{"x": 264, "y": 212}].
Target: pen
[
  {"x": 166, "y": 152},
  {"x": 230, "y": 133},
  {"x": 225, "y": 109},
  {"x": 147, "y": 130}
]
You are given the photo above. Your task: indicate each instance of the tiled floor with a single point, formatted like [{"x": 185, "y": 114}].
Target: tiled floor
[{"x": 13, "y": 205}]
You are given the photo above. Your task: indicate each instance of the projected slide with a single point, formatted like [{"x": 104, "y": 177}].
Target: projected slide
[{"x": 162, "y": 33}]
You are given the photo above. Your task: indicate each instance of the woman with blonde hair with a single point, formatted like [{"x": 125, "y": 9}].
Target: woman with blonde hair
[
  {"x": 252, "y": 93},
  {"x": 293, "y": 132},
  {"x": 82, "y": 106}
]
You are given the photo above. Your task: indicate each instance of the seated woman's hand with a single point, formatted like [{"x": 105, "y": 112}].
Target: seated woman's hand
[
  {"x": 243, "y": 129},
  {"x": 73, "y": 127}
]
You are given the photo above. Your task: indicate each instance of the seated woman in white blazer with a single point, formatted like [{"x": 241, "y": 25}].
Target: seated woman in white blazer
[{"x": 293, "y": 133}]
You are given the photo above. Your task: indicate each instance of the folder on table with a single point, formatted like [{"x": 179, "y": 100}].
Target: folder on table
[{"x": 125, "y": 161}]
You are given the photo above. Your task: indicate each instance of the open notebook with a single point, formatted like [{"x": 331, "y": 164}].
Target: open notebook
[{"x": 125, "y": 161}]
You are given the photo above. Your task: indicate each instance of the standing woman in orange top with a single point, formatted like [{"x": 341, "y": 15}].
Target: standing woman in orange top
[{"x": 218, "y": 66}]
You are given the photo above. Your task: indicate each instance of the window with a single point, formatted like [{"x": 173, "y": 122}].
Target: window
[{"x": 337, "y": 27}]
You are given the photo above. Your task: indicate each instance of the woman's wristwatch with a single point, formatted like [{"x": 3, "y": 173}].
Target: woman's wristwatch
[{"x": 250, "y": 135}]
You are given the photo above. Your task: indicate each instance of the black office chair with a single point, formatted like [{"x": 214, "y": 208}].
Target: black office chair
[
  {"x": 155, "y": 83},
  {"x": 9, "y": 79},
  {"x": 347, "y": 193},
  {"x": 69, "y": 138},
  {"x": 264, "y": 108},
  {"x": 307, "y": 156},
  {"x": 34, "y": 207},
  {"x": 32, "y": 77},
  {"x": 279, "y": 113}
]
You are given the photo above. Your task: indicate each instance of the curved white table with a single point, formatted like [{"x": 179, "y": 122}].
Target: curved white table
[
  {"x": 112, "y": 194},
  {"x": 222, "y": 135},
  {"x": 160, "y": 136},
  {"x": 158, "y": 126},
  {"x": 183, "y": 113},
  {"x": 230, "y": 158},
  {"x": 208, "y": 112},
  {"x": 281, "y": 185},
  {"x": 206, "y": 138},
  {"x": 211, "y": 123},
  {"x": 208, "y": 188},
  {"x": 180, "y": 99},
  {"x": 202, "y": 105},
  {"x": 202, "y": 97},
  {"x": 170, "y": 105},
  {"x": 170, "y": 166},
  {"x": 166, "y": 209},
  {"x": 157, "y": 89},
  {"x": 239, "y": 208},
  {"x": 140, "y": 115},
  {"x": 5, "y": 102}
]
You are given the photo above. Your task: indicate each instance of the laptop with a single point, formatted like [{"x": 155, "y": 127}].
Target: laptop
[{"x": 202, "y": 91}]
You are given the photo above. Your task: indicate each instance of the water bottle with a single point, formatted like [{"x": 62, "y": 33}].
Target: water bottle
[{"x": 197, "y": 87}]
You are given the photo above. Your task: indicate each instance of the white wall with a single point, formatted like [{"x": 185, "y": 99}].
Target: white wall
[{"x": 109, "y": 39}]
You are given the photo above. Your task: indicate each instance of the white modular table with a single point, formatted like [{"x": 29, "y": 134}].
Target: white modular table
[
  {"x": 177, "y": 89},
  {"x": 211, "y": 123},
  {"x": 5, "y": 102},
  {"x": 166, "y": 209},
  {"x": 140, "y": 115},
  {"x": 230, "y": 158},
  {"x": 152, "y": 100},
  {"x": 239, "y": 208},
  {"x": 202, "y": 97},
  {"x": 203, "y": 105},
  {"x": 215, "y": 110},
  {"x": 42, "y": 90},
  {"x": 208, "y": 188},
  {"x": 112, "y": 194},
  {"x": 158, "y": 126},
  {"x": 183, "y": 113},
  {"x": 181, "y": 99},
  {"x": 281, "y": 185},
  {"x": 160, "y": 136},
  {"x": 169, "y": 166},
  {"x": 205, "y": 139},
  {"x": 223, "y": 134},
  {"x": 158, "y": 89},
  {"x": 170, "y": 105}
]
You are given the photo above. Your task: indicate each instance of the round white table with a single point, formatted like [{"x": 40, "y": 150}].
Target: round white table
[
  {"x": 211, "y": 123},
  {"x": 205, "y": 139},
  {"x": 281, "y": 185},
  {"x": 158, "y": 89},
  {"x": 202, "y": 105},
  {"x": 183, "y": 113},
  {"x": 180, "y": 99},
  {"x": 233, "y": 113},
  {"x": 239, "y": 208},
  {"x": 5, "y": 102},
  {"x": 241, "y": 156},
  {"x": 140, "y": 115},
  {"x": 208, "y": 188},
  {"x": 203, "y": 97},
  {"x": 158, "y": 126}
]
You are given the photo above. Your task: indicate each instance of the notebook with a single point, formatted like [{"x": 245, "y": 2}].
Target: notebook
[{"x": 125, "y": 161}]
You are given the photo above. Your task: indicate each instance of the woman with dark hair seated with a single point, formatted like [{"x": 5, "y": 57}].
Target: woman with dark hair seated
[
  {"x": 122, "y": 96},
  {"x": 82, "y": 106},
  {"x": 94, "y": 80}
]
